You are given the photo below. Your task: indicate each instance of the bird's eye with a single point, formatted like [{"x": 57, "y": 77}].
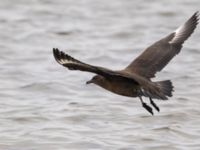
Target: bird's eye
[{"x": 95, "y": 77}]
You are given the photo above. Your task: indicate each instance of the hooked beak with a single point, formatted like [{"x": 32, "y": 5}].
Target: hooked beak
[{"x": 88, "y": 82}]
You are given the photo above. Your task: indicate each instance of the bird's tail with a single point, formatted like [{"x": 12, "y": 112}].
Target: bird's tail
[{"x": 165, "y": 87}]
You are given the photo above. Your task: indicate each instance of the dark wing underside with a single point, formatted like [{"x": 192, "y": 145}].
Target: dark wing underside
[
  {"x": 156, "y": 57},
  {"x": 74, "y": 64}
]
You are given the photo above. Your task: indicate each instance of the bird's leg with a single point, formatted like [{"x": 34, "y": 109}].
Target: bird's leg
[
  {"x": 154, "y": 104},
  {"x": 147, "y": 107}
]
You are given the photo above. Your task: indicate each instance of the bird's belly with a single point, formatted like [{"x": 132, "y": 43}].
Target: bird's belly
[{"x": 124, "y": 89}]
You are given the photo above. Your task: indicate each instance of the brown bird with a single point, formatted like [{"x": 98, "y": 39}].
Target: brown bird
[{"x": 135, "y": 79}]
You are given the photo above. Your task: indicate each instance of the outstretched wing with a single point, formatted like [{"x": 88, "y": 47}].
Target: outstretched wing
[
  {"x": 156, "y": 57},
  {"x": 74, "y": 64}
]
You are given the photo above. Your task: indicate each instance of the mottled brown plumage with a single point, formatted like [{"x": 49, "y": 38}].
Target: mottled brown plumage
[{"x": 135, "y": 79}]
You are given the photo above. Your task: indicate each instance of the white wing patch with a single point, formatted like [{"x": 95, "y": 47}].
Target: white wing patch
[
  {"x": 67, "y": 61},
  {"x": 185, "y": 30},
  {"x": 63, "y": 58},
  {"x": 178, "y": 34}
]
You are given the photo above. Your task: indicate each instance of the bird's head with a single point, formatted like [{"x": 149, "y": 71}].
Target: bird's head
[{"x": 96, "y": 80}]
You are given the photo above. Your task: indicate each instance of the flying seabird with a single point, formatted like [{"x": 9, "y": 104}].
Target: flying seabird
[{"x": 135, "y": 79}]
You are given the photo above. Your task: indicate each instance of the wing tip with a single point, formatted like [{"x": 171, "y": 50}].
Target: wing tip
[
  {"x": 184, "y": 31},
  {"x": 57, "y": 54},
  {"x": 63, "y": 58},
  {"x": 197, "y": 14},
  {"x": 195, "y": 17}
]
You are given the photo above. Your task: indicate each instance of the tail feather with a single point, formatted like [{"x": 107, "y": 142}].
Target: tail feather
[{"x": 165, "y": 87}]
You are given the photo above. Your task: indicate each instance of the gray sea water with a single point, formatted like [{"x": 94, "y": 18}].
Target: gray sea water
[{"x": 43, "y": 106}]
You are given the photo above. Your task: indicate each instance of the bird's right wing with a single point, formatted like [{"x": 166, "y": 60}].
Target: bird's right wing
[{"x": 155, "y": 57}]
